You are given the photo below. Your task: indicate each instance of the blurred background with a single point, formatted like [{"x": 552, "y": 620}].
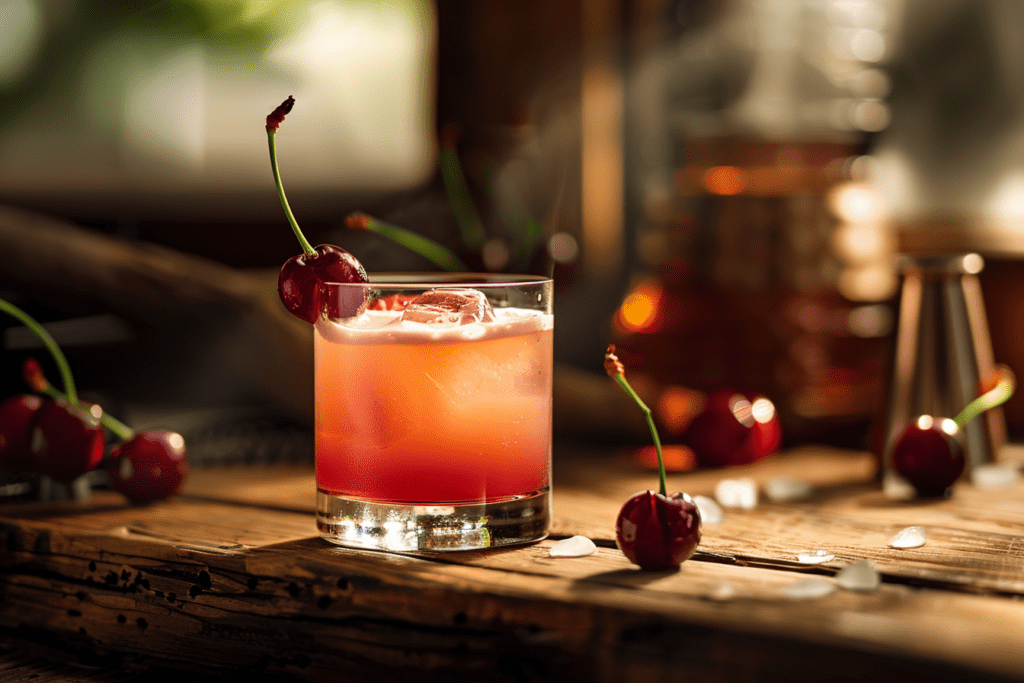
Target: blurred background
[{"x": 720, "y": 187}]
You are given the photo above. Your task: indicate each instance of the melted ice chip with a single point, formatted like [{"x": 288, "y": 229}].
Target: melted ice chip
[
  {"x": 576, "y": 546},
  {"x": 911, "y": 537},
  {"x": 895, "y": 487},
  {"x": 859, "y": 576},
  {"x": 806, "y": 589},
  {"x": 710, "y": 511},
  {"x": 995, "y": 476},
  {"x": 784, "y": 489},
  {"x": 723, "y": 591},
  {"x": 815, "y": 557},
  {"x": 737, "y": 493}
]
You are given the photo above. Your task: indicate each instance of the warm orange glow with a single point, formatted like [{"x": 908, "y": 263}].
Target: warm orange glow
[
  {"x": 641, "y": 310},
  {"x": 677, "y": 458},
  {"x": 677, "y": 406},
  {"x": 725, "y": 180}
]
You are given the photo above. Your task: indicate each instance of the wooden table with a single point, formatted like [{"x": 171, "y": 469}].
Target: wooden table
[{"x": 231, "y": 574}]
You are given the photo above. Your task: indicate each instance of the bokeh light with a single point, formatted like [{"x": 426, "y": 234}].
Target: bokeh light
[
  {"x": 641, "y": 309},
  {"x": 725, "y": 180}
]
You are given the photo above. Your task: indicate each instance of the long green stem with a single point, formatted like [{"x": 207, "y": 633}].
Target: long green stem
[
  {"x": 438, "y": 254},
  {"x": 51, "y": 345},
  {"x": 306, "y": 247},
  {"x": 120, "y": 429},
  {"x": 621, "y": 380},
  {"x": 999, "y": 394}
]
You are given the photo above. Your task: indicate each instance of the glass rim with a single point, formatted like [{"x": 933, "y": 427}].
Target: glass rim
[{"x": 430, "y": 280}]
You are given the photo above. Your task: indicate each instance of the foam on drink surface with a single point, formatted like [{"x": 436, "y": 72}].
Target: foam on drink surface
[{"x": 387, "y": 327}]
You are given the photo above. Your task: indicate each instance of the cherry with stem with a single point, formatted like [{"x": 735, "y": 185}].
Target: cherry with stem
[
  {"x": 930, "y": 451},
  {"x": 656, "y": 531},
  {"x": 303, "y": 281},
  {"x": 146, "y": 466},
  {"x": 65, "y": 438}
]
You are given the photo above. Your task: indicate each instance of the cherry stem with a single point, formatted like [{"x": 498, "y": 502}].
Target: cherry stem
[
  {"x": 466, "y": 215},
  {"x": 119, "y": 429},
  {"x": 306, "y": 246},
  {"x": 621, "y": 380},
  {"x": 999, "y": 394},
  {"x": 51, "y": 345},
  {"x": 436, "y": 253}
]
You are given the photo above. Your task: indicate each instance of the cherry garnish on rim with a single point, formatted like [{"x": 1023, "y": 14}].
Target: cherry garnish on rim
[
  {"x": 303, "y": 281},
  {"x": 929, "y": 452},
  {"x": 653, "y": 530}
]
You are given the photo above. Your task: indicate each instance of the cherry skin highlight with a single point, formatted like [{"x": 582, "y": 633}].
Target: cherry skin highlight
[
  {"x": 658, "y": 532},
  {"x": 303, "y": 284},
  {"x": 65, "y": 440},
  {"x": 928, "y": 456},
  {"x": 151, "y": 466},
  {"x": 16, "y": 414}
]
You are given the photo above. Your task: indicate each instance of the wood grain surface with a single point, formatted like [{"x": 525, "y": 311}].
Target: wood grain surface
[{"x": 232, "y": 575}]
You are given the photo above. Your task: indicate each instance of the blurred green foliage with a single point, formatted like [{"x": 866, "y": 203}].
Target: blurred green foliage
[{"x": 73, "y": 30}]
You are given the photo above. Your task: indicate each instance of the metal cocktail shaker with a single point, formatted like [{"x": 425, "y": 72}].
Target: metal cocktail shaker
[{"x": 943, "y": 352}]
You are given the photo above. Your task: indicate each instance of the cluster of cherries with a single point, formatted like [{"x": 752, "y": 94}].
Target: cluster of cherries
[{"x": 53, "y": 433}]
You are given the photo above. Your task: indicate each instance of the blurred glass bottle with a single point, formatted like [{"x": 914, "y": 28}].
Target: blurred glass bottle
[{"x": 763, "y": 260}]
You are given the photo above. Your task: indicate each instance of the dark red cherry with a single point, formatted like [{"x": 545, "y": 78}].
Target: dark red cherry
[
  {"x": 733, "y": 429},
  {"x": 658, "y": 532},
  {"x": 150, "y": 466},
  {"x": 303, "y": 288},
  {"x": 66, "y": 441},
  {"x": 767, "y": 426},
  {"x": 930, "y": 455},
  {"x": 16, "y": 415}
]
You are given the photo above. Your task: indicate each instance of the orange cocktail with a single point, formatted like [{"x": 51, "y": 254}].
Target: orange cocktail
[{"x": 433, "y": 416}]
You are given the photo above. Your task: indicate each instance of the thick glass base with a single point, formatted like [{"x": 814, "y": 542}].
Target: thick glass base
[{"x": 435, "y": 528}]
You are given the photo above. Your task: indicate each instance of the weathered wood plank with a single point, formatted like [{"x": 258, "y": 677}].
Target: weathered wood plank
[
  {"x": 232, "y": 574},
  {"x": 236, "y": 596},
  {"x": 975, "y": 538}
]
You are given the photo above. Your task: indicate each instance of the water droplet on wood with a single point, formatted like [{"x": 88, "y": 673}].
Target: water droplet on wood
[
  {"x": 896, "y": 487},
  {"x": 995, "y": 476},
  {"x": 785, "y": 489},
  {"x": 737, "y": 493},
  {"x": 575, "y": 546},
  {"x": 710, "y": 511},
  {"x": 723, "y": 591},
  {"x": 859, "y": 576},
  {"x": 815, "y": 557},
  {"x": 911, "y": 537},
  {"x": 808, "y": 589}
]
